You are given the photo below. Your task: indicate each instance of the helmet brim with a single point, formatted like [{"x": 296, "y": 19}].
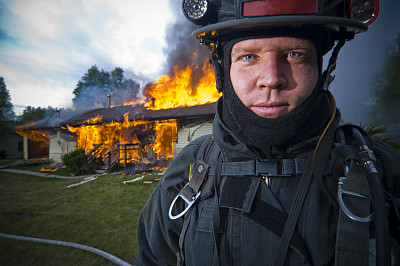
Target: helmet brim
[{"x": 332, "y": 24}]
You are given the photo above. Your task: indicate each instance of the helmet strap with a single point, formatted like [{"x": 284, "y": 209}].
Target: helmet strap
[
  {"x": 212, "y": 46},
  {"x": 219, "y": 73},
  {"x": 327, "y": 76}
]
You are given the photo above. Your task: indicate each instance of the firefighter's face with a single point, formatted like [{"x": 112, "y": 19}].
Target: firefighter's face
[{"x": 273, "y": 76}]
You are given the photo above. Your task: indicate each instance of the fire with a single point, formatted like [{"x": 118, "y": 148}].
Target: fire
[
  {"x": 141, "y": 141},
  {"x": 48, "y": 169},
  {"x": 41, "y": 137},
  {"x": 94, "y": 120},
  {"x": 180, "y": 89},
  {"x": 171, "y": 91},
  {"x": 147, "y": 141}
]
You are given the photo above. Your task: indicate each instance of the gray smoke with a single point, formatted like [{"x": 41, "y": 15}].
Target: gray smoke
[
  {"x": 183, "y": 50},
  {"x": 96, "y": 97}
]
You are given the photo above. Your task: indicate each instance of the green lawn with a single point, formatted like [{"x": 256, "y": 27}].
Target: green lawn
[
  {"x": 41, "y": 167},
  {"x": 102, "y": 214}
]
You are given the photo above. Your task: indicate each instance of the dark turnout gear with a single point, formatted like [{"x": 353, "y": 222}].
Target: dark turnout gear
[
  {"x": 251, "y": 214},
  {"x": 297, "y": 189}
]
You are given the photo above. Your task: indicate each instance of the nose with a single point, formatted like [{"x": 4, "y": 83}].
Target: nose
[{"x": 271, "y": 73}]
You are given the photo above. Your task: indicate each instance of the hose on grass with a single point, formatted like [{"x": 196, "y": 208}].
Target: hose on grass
[{"x": 99, "y": 252}]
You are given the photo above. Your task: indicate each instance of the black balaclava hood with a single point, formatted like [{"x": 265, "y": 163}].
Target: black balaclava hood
[{"x": 304, "y": 122}]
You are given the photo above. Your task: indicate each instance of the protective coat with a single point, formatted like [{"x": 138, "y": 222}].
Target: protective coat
[{"x": 252, "y": 213}]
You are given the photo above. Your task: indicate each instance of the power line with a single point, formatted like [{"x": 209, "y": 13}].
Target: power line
[
  {"x": 40, "y": 63},
  {"x": 22, "y": 67},
  {"x": 25, "y": 73}
]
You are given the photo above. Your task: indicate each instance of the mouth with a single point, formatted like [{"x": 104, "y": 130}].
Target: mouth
[{"x": 270, "y": 110}]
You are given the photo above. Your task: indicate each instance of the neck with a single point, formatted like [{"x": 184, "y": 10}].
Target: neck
[{"x": 274, "y": 136}]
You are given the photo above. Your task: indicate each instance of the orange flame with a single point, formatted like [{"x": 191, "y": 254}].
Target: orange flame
[
  {"x": 48, "y": 169},
  {"x": 108, "y": 135},
  {"x": 41, "y": 137},
  {"x": 176, "y": 91},
  {"x": 94, "y": 120}
]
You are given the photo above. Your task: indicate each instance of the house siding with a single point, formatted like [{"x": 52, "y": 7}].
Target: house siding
[
  {"x": 60, "y": 144},
  {"x": 190, "y": 133}
]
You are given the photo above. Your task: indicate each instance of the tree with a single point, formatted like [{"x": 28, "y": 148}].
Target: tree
[
  {"x": 387, "y": 90},
  {"x": 117, "y": 78},
  {"x": 93, "y": 88},
  {"x": 32, "y": 114},
  {"x": 380, "y": 132},
  {"x": 7, "y": 114},
  {"x": 93, "y": 78},
  {"x": 6, "y": 107}
]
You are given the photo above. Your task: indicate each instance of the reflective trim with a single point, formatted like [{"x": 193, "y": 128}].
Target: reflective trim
[{"x": 279, "y": 7}]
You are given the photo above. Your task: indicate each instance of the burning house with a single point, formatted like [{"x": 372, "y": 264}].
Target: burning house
[
  {"x": 121, "y": 134},
  {"x": 135, "y": 134},
  {"x": 175, "y": 111}
]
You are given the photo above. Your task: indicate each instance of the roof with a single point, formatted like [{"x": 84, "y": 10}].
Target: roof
[
  {"x": 116, "y": 114},
  {"x": 51, "y": 121}
]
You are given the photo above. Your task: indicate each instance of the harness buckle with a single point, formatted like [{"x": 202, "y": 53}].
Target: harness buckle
[
  {"x": 351, "y": 215},
  {"x": 266, "y": 168},
  {"x": 189, "y": 201}
]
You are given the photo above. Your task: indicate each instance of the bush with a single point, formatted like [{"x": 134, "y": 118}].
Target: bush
[
  {"x": 3, "y": 154},
  {"x": 77, "y": 162}
]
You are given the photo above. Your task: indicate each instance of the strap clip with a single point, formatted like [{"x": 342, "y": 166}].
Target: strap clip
[
  {"x": 189, "y": 202},
  {"x": 192, "y": 190},
  {"x": 267, "y": 168},
  {"x": 351, "y": 215}
]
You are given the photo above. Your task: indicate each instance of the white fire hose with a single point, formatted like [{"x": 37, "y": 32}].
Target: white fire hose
[{"x": 104, "y": 254}]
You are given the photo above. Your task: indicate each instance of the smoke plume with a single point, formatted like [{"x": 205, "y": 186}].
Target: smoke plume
[{"x": 183, "y": 50}]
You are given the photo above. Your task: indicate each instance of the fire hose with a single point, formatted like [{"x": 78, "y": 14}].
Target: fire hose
[
  {"x": 99, "y": 252},
  {"x": 381, "y": 223}
]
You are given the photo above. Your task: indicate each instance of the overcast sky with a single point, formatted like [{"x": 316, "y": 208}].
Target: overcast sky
[{"x": 47, "y": 45}]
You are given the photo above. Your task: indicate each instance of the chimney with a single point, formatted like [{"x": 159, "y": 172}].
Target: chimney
[
  {"x": 109, "y": 100},
  {"x": 153, "y": 100}
]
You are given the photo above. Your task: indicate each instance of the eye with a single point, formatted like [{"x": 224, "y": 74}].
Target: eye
[
  {"x": 294, "y": 54},
  {"x": 248, "y": 57}
]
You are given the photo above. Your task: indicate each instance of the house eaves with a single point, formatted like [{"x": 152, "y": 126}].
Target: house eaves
[{"x": 137, "y": 113}]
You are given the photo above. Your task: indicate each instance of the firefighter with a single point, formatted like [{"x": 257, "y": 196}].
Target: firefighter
[{"x": 279, "y": 182}]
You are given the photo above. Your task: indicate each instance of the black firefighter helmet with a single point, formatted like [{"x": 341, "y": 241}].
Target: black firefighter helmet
[
  {"x": 331, "y": 20},
  {"x": 341, "y": 18}
]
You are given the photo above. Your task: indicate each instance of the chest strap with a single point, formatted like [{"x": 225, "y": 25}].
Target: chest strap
[
  {"x": 274, "y": 168},
  {"x": 200, "y": 171}
]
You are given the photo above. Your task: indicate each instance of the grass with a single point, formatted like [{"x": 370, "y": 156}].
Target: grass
[
  {"x": 102, "y": 214},
  {"x": 38, "y": 167}
]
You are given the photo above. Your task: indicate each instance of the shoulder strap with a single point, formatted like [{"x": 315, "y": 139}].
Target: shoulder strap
[
  {"x": 208, "y": 151},
  {"x": 315, "y": 167},
  {"x": 359, "y": 186},
  {"x": 352, "y": 235}
]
